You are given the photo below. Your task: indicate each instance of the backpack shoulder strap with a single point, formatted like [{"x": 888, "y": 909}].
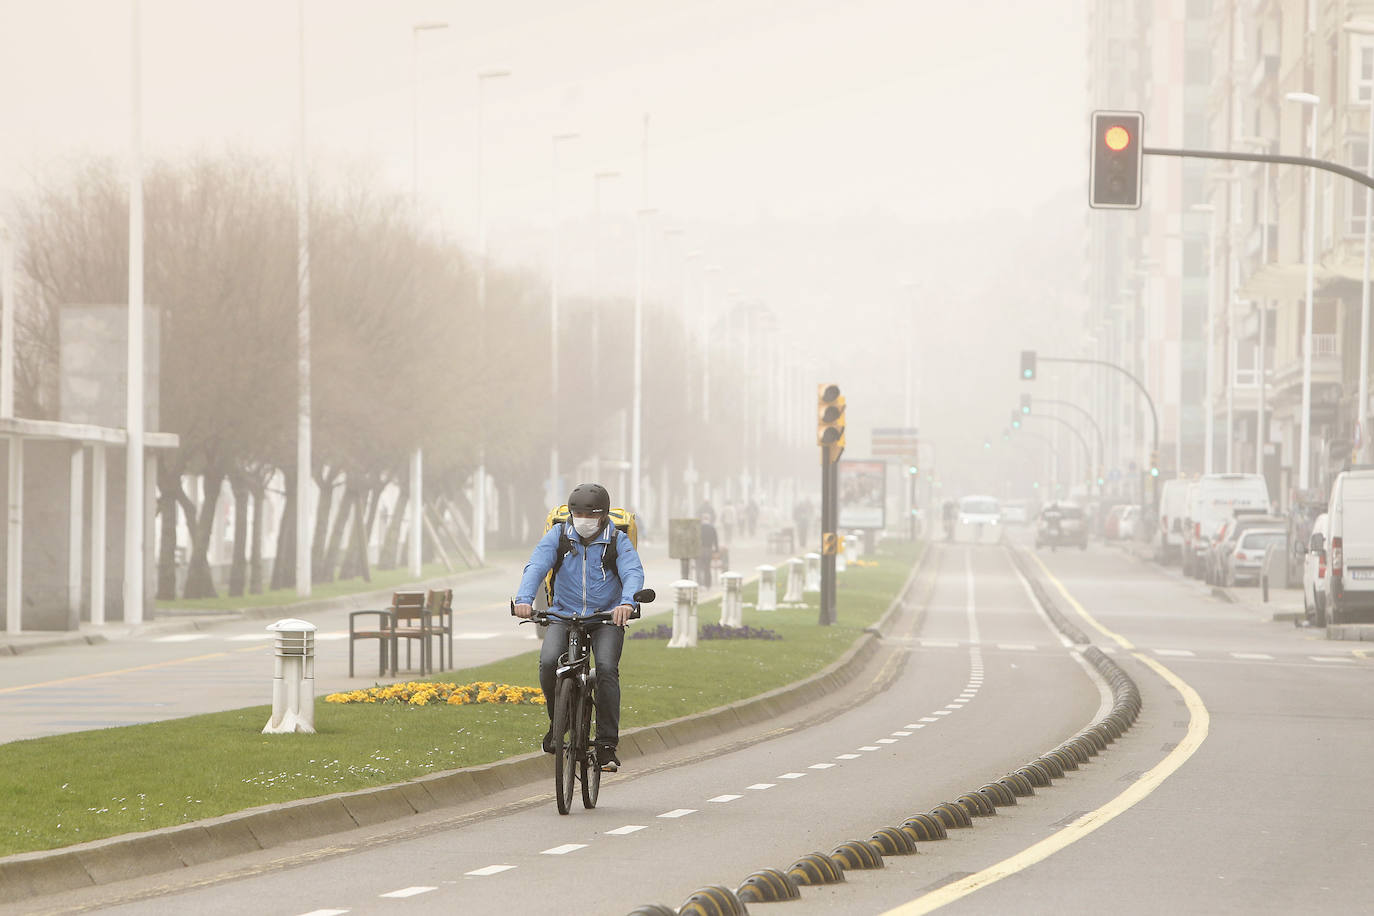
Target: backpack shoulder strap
[
  {"x": 564, "y": 548},
  {"x": 610, "y": 556}
]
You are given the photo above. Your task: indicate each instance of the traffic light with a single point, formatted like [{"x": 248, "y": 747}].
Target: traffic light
[
  {"x": 1154, "y": 464},
  {"x": 1015, "y": 419},
  {"x": 912, "y": 470},
  {"x": 1025, "y": 403},
  {"x": 987, "y": 443},
  {"x": 830, "y": 420},
  {"x": 1114, "y": 182},
  {"x": 1027, "y": 365}
]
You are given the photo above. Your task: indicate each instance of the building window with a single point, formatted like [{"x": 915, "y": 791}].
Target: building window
[
  {"x": 1361, "y": 67},
  {"x": 1194, "y": 257},
  {"x": 1357, "y": 156}
]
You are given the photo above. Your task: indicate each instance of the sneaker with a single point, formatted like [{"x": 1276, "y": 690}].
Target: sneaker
[
  {"x": 607, "y": 761},
  {"x": 548, "y": 741}
]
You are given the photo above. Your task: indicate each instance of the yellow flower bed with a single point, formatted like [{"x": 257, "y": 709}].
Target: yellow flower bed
[{"x": 423, "y": 693}]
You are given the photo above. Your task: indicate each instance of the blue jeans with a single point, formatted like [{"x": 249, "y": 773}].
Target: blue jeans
[{"x": 607, "y": 640}]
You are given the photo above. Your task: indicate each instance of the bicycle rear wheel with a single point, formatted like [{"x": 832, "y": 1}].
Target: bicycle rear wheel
[
  {"x": 591, "y": 767},
  {"x": 564, "y": 735}
]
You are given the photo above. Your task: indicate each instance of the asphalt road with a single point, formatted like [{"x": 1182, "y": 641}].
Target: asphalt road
[
  {"x": 229, "y": 665},
  {"x": 1242, "y": 787}
]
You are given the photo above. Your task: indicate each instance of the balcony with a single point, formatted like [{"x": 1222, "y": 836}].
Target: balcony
[{"x": 1326, "y": 367}]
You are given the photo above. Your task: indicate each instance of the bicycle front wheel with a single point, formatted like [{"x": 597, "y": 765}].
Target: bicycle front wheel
[
  {"x": 591, "y": 767},
  {"x": 564, "y": 739}
]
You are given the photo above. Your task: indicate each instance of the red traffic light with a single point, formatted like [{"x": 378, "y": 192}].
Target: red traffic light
[{"x": 1117, "y": 138}]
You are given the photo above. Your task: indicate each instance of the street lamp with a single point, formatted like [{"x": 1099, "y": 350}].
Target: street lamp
[
  {"x": 1305, "y": 440},
  {"x": 133, "y": 468},
  {"x": 1261, "y": 144},
  {"x": 637, "y": 396},
  {"x": 304, "y": 478},
  {"x": 417, "y": 457},
  {"x": 709, "y": 271},
  {"x": 1358, "y": 27},
  {"x": 1209, "y": 209},
  {"x": 598, "y": 179},
  {"x": 554, "y": 268}
]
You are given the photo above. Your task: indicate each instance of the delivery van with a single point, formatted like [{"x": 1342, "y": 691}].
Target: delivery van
[
  {"x": 1212, "y": 499},
  {"x": 1350, "y": 551}
]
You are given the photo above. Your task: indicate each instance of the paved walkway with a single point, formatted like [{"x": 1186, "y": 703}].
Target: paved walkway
[{"x": 206, "y": 663}]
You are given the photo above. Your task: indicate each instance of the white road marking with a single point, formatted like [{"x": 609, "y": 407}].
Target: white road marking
[
  {"x": 1176, "y": 653},
  {"x": 954, "y": 706},
  {"x": 329, "y": 637},
  {"x": 679, "y": 812},
  {"x": 797, "y": 775},
  {"x": 900, "y": 734},
  {"x": 182, "y": 637},
  {"x": 325, "y": 913},
  {"x": 916, "y": 725},
  {"x": 1331, "y": 658},
  {"x": 489, "y": 870},
  {"x": 887, "y": 740},
  {"x": 250, "y": 637},
  {"x": 564, "y": 849},
  {"x": 408, "y": 892},
  {"x": 929, "y": 719},
  {"x": 820, "y": 766},
  {"x": 628, "y": 828},
  {"x": 869, "y": 747},
  {"x": 942, "y": 712},
  {"x": 939, "y": 644},
  {"x": 760, "y": 786},
  {"x": 846, "y": 756},
  {"x": 1256, "y": 656},
  {"x": 722, "y": 799},
  {"x": 1017, "y": 646},
  {"x": 475, "y": 635}
]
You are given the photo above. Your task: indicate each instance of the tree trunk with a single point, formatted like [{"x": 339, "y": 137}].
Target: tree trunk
[
  {"x": 390, "y": 556},
  {"x": 326, "y": 481},
  {"x": 167, "y": 553},
  {"x": 284, "y": 565},
  {"x": 330, "y": 560},
  {"x": 238, "y": 568},
  {"x": 199, "y": 582},
  {"x": 255, "y": 540},
  {"x": 355, "y": 557}
]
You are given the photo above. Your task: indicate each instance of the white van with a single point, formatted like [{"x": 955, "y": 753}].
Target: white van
[
  {"x": 1212, "y": 499},
  {"x": 1350, "y": 536},
  {"x": 1173, "y": 508},
  {"x": 980, "y": 521}
]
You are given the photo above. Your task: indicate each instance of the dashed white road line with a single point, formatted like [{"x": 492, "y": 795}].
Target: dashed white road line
[
  {"x": 915, "y": 725},
  {"x": 846, "y": 756},
  {"x": 679, "y": 812},
  {"x": 622, "y": 831},
  {"x": 820, "y": 766},
  {"x": 722, "y": 799},
  {"x": 1255, "y": 656},
  {"x": 939, "y": 644},
  {"x": 887, "y": 740},
  {"x": 250, "y": 637},
  {"x": 1018, "y": 646},
  {"x": 408, "y": 892},
  {"x": 870, "y": 747},
  {"x": 929, "y": 719},
  {"x": 182, "y": 637},
  {"x": 488, "y": 870},
  {"x": 900, "y": 734},
  {"x": 1331, "y": 658},
  {"x": 941, "y": 712},
  {"x": 760, "y": 786},
  {"x": 1175, "y": 653},
  {"x": 325, "y": 913},
  {"x": 954, "y": 706},
  {"x": 564, "y": 849},
  {"x": 796, "y": 775}
]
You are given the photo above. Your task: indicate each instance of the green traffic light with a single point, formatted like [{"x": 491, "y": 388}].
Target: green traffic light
[
  {"x": 913, "y": 470},
  {"x": 1154, "y": 472}
]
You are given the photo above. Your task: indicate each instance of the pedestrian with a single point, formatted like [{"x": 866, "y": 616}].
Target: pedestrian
[
  {"x": 709, "y": 545},
  {"x": 728, "y": 516},
  {"x": 801, "y": 516},
  {"x": 751, "y": 518}
]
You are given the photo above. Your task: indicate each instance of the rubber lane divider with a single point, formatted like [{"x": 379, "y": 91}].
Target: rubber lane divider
[
  {"x": 98, "y": 862},
  {"x": 893, "y": 841},
  {"x": 766, "y": 886},
  {"x": 858, "y": 855},
  {"x": 713, "y": 900}
]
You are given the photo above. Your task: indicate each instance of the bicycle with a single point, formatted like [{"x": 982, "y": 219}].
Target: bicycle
[{"x": 574, "y": 707}]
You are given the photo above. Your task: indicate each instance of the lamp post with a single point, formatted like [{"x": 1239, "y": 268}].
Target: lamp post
[
  {"x": 133, "y": 468},
  {"x": 479, "y": 526},
  {"x": 1210, "y": 210},
  {"x": 554, "y": 498},
  {"x": 1261, "y": 144},
  {"x": 1305, "y": 439},
  {"x": 304, "y": 533},
  {"x": 417, "y": 527},
  {"x": 707, "y": 273},
  {"x": 598, "y": 179},
  {"x": 643, "y": 217},
  {"x": 1359, "y": 27}
]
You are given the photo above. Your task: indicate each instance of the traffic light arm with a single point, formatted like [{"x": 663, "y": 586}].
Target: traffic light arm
[
  {"x": 1087, "y": 449},
  {"x": 1101, "y": 442},
  {"x": 1154, "y": 415},
  {"x": 1337, "y": 168}
]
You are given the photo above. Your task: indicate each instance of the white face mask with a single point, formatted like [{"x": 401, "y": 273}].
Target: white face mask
[{"x": 586, "y": 527}]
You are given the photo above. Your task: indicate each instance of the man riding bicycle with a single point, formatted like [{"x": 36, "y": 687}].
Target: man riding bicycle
[{"x": 586, "y": 584}]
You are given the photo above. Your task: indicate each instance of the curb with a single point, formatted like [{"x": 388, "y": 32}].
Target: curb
[
  {"x": 98, "y": 862},
  {"x": 75, "y": 639},
  {"x": 1360, "y": 632}
]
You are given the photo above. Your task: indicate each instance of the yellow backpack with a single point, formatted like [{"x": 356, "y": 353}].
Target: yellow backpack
[{"x": 623, "y": 520}]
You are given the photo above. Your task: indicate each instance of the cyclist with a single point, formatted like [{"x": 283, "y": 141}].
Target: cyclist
[{"x": 586, "y": 584}]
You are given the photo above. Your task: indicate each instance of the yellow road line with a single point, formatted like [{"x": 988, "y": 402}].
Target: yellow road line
[
  {"x": 1120, "y": 640},
  {"x": 1199, "y": 722},
  {"x": 87, "y": 677}
]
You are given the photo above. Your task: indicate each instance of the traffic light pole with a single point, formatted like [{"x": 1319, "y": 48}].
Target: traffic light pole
[
  {"x": 829, "y": 541},
  {"x": 1335, "y": 167}
]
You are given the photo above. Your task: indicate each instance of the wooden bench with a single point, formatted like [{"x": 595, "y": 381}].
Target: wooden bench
[
  {"x": 782, "y": 541},
  {"x": 406, "y": 618},
  {"x": 440, "y": 604}
]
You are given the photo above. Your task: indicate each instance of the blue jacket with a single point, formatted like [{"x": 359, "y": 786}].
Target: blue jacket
[{"x": 582, "y": 585}]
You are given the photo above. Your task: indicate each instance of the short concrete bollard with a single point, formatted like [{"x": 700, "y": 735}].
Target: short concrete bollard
[
  {"x": 854, "y": 546},
  {"x": 293, "y": 683},
  {"x": 795, "y": 572},
  {"x": 768, "y": 588},
  {"x": 732, "y": 600},
  {"x": 684, "y": 615},
  {"x": 813, "y": 573}
]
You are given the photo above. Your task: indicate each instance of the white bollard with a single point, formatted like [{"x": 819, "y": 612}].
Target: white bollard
[
  {"x": 854, "y": 545},
  {"x": 841, "y": 564},
  {"x": 813, "y": 573},
  {"x": 293, "y": 683},
  {"x": 795, "y": 568},
  {"x": 768, "y": 588},
  {"x": 684, "y": 615},
  {"x": 732, "y": 600}
]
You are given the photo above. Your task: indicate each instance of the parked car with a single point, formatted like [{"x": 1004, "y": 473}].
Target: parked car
[
  {"x": 1129, "y": 522},
  {"x": 1314, "y": 573},
  {"x": 1225, "y": 541},
  {"x": 1301, "y": 516},
  {"x": 979, "y": 521},
  {"x": 1173, "y": 505},
  {"x": 1212, "y": 499},
  {"x": 1111, "y": 525},
  {"x": 1062, "y": 525},
  {"x": 1350, "y": 546},
  {"x": 1241, "y": 566},
  {"x": 1015, "y": 513}
]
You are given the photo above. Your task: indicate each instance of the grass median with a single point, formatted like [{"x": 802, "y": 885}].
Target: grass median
[{"x": 72, "y": 788}]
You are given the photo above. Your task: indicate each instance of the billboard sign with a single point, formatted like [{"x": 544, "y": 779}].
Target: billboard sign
[{"x": 863, "y": 494}]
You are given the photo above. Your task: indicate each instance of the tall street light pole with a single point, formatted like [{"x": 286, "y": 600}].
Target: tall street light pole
[
  {"x": 1305, "y": 439},
  {"x": 479, "y": 527},
  {"x": 641, "y": 266},
  {"x": 1210, "y": 210},
  {"x": 1358, "y": 27},
  {"x": 133, "y": 469},
  {"x": 598, "y": 179},
  {"x": 304, "y": 476},
  {"x": 417, "y": 526},
  {"x": 555, "y": 497},
  {"x": 1262, "y": 308}
]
